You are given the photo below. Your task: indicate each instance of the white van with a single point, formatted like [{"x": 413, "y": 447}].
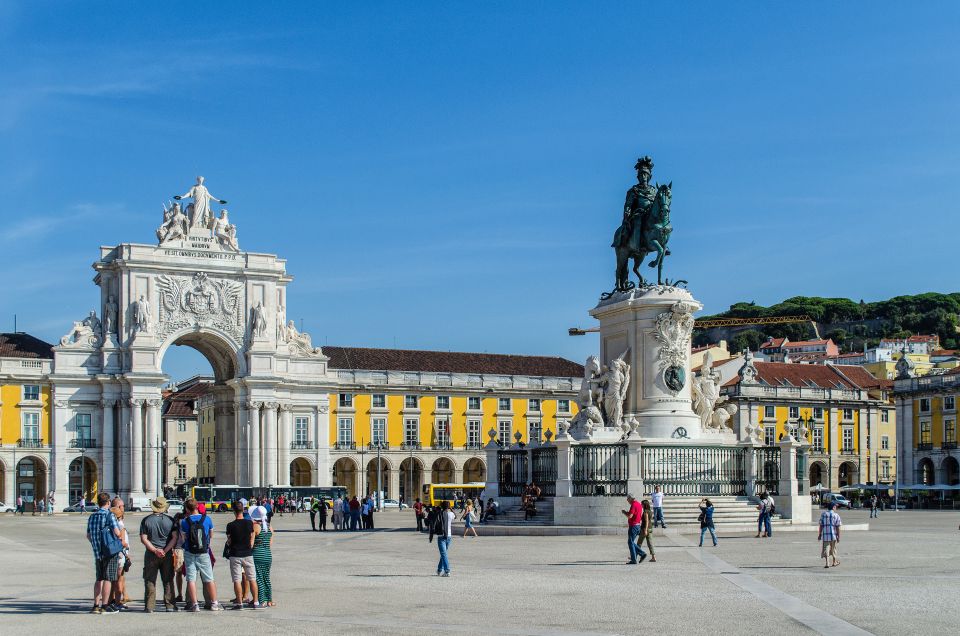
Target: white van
[{"x": 138, "y": 504}]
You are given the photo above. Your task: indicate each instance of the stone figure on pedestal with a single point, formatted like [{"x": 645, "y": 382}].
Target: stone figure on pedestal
[
  {"x": 300, "y": 342},
  {"x": 705, "y": 390},
  {"x": 616, "y": 381},
  {"x": 84, "y": 333},
  {"x": 259, "y": 329},
  {"x": 225, "y": 232},
  {"x": 174, "y": 224},
  {"x": 141, "y": 315},
  {"x": 110, "y": 317},
  {"x": 281, "y": 323},
  {"x": 199, "y": 211}
]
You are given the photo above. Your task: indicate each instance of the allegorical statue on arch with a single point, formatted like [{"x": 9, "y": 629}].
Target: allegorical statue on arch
[{"x": 198, "y": 219}]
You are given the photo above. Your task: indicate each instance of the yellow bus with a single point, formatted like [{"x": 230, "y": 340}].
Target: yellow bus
[{"x": 433, "y": 494}]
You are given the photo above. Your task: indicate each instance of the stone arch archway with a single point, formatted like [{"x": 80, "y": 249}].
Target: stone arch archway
[
  {"x": 926, "y": 472},
  {"x": 219, "y": 348},
  {"x": 950, "y": 469},
  {"x": 345, "y": 474},
  {"x": 31, "y": 480},
  {"x": 443, "y": 471},
  {"x": 474, "y": 470},
  {"x": 818, "y": 474},
  {"x": 847, "y": 474},
  {"x": 411, "y": 479},
  {"x": 84, "y": 480},
  {"x": 301, "y": 472},
  {"x": 371, "y": 477}
]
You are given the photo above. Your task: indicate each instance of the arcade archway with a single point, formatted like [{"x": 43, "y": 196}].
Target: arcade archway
[
  {"x": 345, "y": 474},
  {"x": 32, "y": 481},
  {"x": 847, "y": 474},
  {"x": 411, "y": 479},
  {"x": 83, "y": 480},
  {"x": 474, "y": 470},
  {"x": 951, "y": 471},
  {"x": 817, "y": 473},
  {"x": 371, "y": 484},
  {"x": 442, "y": 471},
  {"x": 300, "y": 472}
]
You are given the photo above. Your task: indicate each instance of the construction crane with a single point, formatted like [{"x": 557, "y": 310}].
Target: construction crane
[{"x": 727, "y": 322}]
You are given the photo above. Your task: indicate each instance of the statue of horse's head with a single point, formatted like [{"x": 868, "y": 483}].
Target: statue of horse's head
[{"x": 592, "y": 367}]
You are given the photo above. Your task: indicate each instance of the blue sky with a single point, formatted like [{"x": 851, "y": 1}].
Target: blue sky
[{"x": 449, "y": 175}]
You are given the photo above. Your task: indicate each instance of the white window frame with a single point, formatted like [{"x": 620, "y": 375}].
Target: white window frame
[
  {"x": 885, "y": 468},
  {"x": 563, "y": 406},
  {"x": 446, "y": 405},
  {"x": 443, "y": 431},
  {"x": 847, "y": 415},
  {"x": 30, "y": 430},
  {"x": 411, "y": 430},
  {"x": 504, "y": 425},
  {"x": 470, "y": 402},
  {"x": 345, "y": 430},
  {"x": 181, "y": 448},
  {"x": 769, "y": 412},
  {"x": 181, "y": 426},
  {"x": 924, "y": 405},
  {"x": 794, "y": 412},
  {"x": 378, "y": 397},
  {"x": 345, "y": 400},
  {"x": 818, "y": 438},
  {"x": 846, "y": 438},
  {"x": 884, "y": 442},
  {"x": 885, "y": 415},
  {"x": 474, "y": 428},
  {"x": 951, "y": 405},
  {"x": 301, "y": 429},
  {"x": 535, "y": 432},
  {"x": 88, "y": 427},
  {"x": 534, "y": 402},
  {"x": 378, "y": 430},
  {"x": 817, "y": 413},
  {"x": 27, "y": 398},
  {"x": 769, "y": 435},
  {"x": 408, "y": 398},
  {"x": 181, "y": 471},
  {"x": 500, "y": 405}
]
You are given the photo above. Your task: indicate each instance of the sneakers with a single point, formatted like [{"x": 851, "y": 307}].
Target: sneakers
[
  {"x": 96, "y": 610},
  {"x": 237, "y": 606},
  {"x": 216, "y": 607},
  {"x": 110, "y": 609},
  {"x": 172, "y": 608},
  {"x": 253, "y": 605},
  {"x": 445, "y": 574},
  {"x": 643, "y": 557},
  {"x": 192, "y": 608}
]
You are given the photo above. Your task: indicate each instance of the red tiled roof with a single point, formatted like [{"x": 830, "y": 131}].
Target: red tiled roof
[
  {"x": 812, "y": 376},
  {"x": 450, "y": 362},
  {"x": 23, "y": 345},
  {"x": 773, "y": 343},
  {"x": 183, "y": 403},
  {"x": 806, "y": 343}
]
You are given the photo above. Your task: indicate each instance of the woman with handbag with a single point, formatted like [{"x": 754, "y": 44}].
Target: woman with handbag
[{"x": 469, "y": 517}]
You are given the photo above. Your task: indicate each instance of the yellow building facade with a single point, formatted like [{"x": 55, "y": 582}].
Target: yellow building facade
[{"x": 927, "y": 408}]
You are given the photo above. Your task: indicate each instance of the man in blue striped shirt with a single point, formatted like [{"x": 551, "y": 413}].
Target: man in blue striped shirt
[{"x": 829, "y": 534}]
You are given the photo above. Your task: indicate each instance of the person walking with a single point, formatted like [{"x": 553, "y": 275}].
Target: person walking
[
  {"x": 634, "y": 515},
  {"x": 198, "y": 530},
  {"x": 103, "y": 533},
  {"x": 41, "y": 505},
  {"x": 263, "y": 558},
  {"x": 442, "y": 528},
  {"x": 874, "y": 509},
  {"x": 656, "y": 498},
  {"x": 354, "y": 508},
  {"x": 468, "y": 517},
  {"x": 241, "y": 535},
  {"x": 51, "y": 502},
  {"x": 159, "y": 535},
  {"x": 313, "y": 513},
  {"x": 418, "y": 513},
  {"x": 763, "y": 515},
  {"x": 829, "y": 534},
  {"x": 706, "y": 520},
  {"x": 322, "y": 511},
  {"x": 83, "y": 506},
  {"x": 646, "y": 529}
]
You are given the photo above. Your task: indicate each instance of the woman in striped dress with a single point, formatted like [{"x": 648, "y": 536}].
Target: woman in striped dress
[{"x": 263, "y": 557}]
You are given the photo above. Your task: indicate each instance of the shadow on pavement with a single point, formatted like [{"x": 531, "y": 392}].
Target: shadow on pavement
[{"x": 44, "y": 607}]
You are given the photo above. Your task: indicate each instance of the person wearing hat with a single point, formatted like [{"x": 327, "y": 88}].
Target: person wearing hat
[
  {"x": 158, "y": 534},
  {"x": 263, "y": 556}
]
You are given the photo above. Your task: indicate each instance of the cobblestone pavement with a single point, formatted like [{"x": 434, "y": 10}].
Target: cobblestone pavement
[{"x": 900, "y": 577}]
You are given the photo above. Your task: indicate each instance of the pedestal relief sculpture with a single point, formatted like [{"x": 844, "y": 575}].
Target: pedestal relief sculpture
[
  {"x": 673, "y": 331},
  {"x": 200, "y": 301}
]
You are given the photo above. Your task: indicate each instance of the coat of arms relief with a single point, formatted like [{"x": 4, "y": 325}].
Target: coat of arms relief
[{"x": 200, "y": 302}]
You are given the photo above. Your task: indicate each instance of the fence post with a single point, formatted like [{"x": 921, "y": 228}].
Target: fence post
[
  {"x": 791, "y": 505},
  {"x": 492, "y": 489},
  {"x": 635, "y": 466},
  {"x": 749, "y": 467},
  {"x": 564, "y": 451}
]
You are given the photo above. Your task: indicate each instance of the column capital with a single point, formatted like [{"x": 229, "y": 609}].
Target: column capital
[
  {"x": 154, "y": 403},
  {"x": 254, "y": 405},
  {"x": 285, "y": 407},
  {"x": 271, "y": 405},
  {"x": 323, "y": 409},
  {"x": 107, "y": 404},
  {"x": 60, "y": 404},
  {"x": 135, "y": 402}
]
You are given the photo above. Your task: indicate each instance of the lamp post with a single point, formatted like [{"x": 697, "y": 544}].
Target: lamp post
[
  {"x": 83, "y": 494},
  {"x": 379, "y": 478},
  {"x": 159, "y": 447}
]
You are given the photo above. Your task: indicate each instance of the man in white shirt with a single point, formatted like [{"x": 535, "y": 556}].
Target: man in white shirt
[
  {"x": 443, "y": 530},
  {"x": 656, "y": 501}
]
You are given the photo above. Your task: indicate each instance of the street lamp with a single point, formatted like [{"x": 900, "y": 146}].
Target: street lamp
[
  {"x": 83, "y": 494},
  {"x": 377, "y": 499},
  {"x": 160, "y": 446}
]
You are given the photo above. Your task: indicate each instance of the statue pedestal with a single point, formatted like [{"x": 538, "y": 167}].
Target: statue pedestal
[{"x": 650, "y": 328}]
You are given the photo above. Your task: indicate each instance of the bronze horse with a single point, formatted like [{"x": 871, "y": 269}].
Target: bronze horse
[{"x": 652, "y": 233}]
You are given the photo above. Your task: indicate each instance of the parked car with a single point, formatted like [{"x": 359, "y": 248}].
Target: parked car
[
  {"x": 393, "y": 503},
  {"x": 840, "y": 500},
  {"x": 174, "y": 506},
  {"x": 5, "y": 508},
  {"x": 138, "y": 504},
  {"x": 90, "y": 507}
]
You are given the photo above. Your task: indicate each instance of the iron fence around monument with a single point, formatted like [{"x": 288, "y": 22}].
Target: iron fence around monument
[
  {"x": 544, "y": 468},
  {"x": 512, "y": 472},
  {"x": 599, "y": 470},
  {"x": 695, "y": 470},
  {"x": 767, "y": 463}
]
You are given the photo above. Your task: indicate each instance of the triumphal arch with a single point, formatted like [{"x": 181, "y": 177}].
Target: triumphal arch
[{"x": 193, "y": 287}]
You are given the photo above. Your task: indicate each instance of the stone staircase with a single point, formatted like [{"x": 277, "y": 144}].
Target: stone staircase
[{"x": 728, "y": 511}]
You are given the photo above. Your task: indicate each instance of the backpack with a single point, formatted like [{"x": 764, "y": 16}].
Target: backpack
[
  {"x": 110, "y": 545},
  {"x": 197, "y": 535},
  {"x": 439, "y": 527}
]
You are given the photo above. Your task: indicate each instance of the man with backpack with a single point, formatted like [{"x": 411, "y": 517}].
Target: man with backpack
[
  {"x": 441, "y": 525},
  {"x": 103, "y": 533},
  {"x": 198, "y": 531}
]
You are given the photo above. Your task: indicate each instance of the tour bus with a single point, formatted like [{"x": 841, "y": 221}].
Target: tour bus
[
  {"x": 433, "y": 494},
  {"x": 218, "y": 498}
]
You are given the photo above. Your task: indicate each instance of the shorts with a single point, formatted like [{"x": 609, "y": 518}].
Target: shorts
[
  {"x": 242, "y": 567},
  {"x": 108, "y": 568},
  {"x": 198, "y": 563},
  {"x": 829, "y": 550},
  {"x": 177, "y": 558}
]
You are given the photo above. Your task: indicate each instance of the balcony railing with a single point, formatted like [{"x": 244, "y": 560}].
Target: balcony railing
[
  {"x": 30, "y": 443},
  {"x": 301, "y": 446},
  {"x": 345, "y": 446},
  {"x": 84, "y": 442},
  {"x": 925, "y": 446},
  {"x": 443, "y": 446},
  {"x": 383, "y": 446},
  {"x": 411, "y": 446},
  {"x": 949, "y": 445},
  {"x": 847, "y": 451},
  {"x": 472, "y": 446}
]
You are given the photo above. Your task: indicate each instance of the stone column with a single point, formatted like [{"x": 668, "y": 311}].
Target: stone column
[
  {"x": 270, "y": 451},
  {"x": 635, "y": 466},
  {"x": 790, "y": 503},
  {"x": 492, "y": 489},
  {"x": 225, "y": 445},
  {"x": 242, "y": 448},
  {"x": 107, "y": 447},
  {"x": 254, "y": 443},
  {"x": 10, "y": 484},
  {"x": 564, "y": 454},
  {"x": 152, "y": 446},
  {"x": 394, "y": 486},
  {"x": 136, "y": 447},
  {"x": 122, "y": 448},
  {"x": 749, "y": 467},
  {"x": 58, "y": 478},
  {"x": 286, "y": 437}
]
